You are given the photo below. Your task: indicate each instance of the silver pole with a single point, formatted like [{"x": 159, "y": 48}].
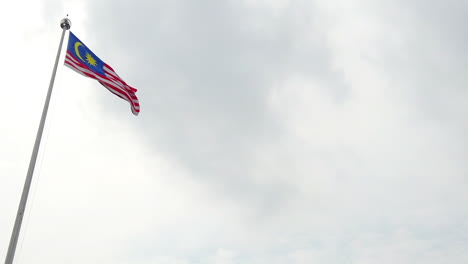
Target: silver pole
[{"x": 65, "y": 24}]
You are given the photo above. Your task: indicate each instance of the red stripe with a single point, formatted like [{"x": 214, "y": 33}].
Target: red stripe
[
  {"x": 99, "y": 77},
  {"x": 114, "y": 85},
  {"x": 135, "y": 110},
  {"x": 112, "y": 74},
  {"x": 121, "y": 83},
  {"x": 109, "y": 69}
]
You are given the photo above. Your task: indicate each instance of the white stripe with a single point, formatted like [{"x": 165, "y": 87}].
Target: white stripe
[
  {"x": 120, "y": 81},
  {"x": 135, "y": 108},
  {"x": 73, "y": 64},
  {"x": 129, "y": 93},
  {"x": 78, "y": 69},
  {"x": 111, "y": 71},
  {"x": 112, "y": 75},
  {"x": 76, "y": 63},
  {"x": 71, "y": 58},
  {"x": 123, "y": 85}
]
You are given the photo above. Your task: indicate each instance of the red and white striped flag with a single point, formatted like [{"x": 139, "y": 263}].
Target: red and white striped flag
[{"x": 82, "y": 60}]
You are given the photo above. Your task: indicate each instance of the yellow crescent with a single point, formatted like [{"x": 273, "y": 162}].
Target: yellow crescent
[{"x": 77, "y": 44}]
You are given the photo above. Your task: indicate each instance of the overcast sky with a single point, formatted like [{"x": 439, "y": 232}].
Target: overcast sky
[{"x": 280, "y": 131}]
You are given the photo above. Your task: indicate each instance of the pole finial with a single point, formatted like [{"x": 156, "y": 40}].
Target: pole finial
[{"x": 65, "y": 23}]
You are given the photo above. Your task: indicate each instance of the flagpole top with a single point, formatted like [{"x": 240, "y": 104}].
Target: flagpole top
[{"x": 65, "y": 23}]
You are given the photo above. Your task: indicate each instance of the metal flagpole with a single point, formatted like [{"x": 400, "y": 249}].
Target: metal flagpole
[{"x": 65, "y": 24}]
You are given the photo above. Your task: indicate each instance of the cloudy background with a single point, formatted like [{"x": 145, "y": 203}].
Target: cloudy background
[{"x": 270, "y": 132}]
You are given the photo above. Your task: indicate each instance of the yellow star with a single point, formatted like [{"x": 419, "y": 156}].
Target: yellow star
[{"x": 90, "y": 59}]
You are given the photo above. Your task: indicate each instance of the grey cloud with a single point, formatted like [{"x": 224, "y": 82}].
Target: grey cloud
[
  {"x": 205, "y": 72},
  {"x": 390, "y": 177}
]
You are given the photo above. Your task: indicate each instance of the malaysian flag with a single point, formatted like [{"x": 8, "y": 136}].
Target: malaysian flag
[{"x": 82, "y": 60}]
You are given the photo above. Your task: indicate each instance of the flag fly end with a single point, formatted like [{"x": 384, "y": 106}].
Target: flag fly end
[{"x": 82, "y": 60}]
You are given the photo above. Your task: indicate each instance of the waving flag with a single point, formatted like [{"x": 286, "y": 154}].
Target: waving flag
[{"x": 82, "y": 60}]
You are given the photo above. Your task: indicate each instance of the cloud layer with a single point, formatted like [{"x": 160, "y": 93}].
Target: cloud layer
[{"x": 270, "y": 132}]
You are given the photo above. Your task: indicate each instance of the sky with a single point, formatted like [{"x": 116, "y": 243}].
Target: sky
[{"x": 281, "y": 131}]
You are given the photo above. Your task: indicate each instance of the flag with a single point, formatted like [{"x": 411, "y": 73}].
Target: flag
[{"x": 82, "y": 60}]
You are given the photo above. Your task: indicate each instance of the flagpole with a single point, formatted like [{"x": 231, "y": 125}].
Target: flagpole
[{"x": 65, "y": 24}]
